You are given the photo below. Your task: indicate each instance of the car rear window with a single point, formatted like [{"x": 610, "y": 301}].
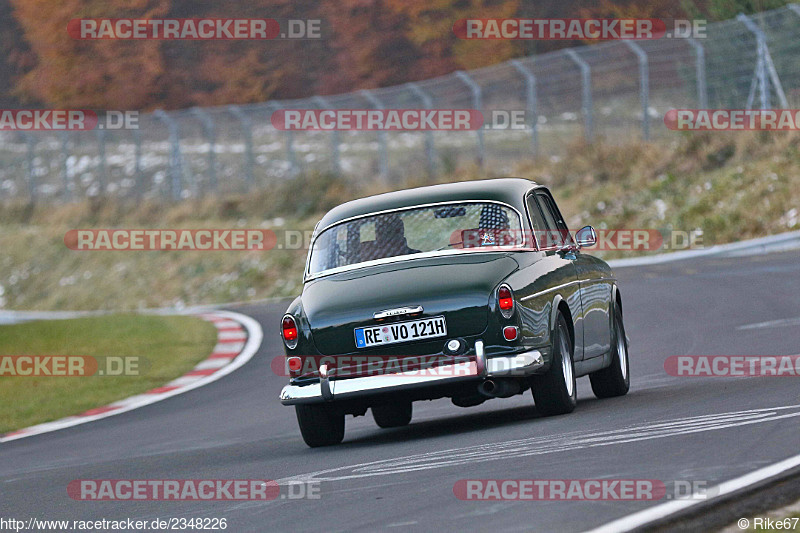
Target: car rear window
[{"x": 417, "y": 230}]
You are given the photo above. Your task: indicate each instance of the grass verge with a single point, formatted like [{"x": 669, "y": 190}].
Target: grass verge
[{"x": 167, "y": 347}]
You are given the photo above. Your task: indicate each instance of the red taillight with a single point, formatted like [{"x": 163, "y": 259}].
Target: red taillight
[
  {"x": 510, "y": 333},
  {"x": 505, "y": 300},
  {"x": 289, "y": 330}
]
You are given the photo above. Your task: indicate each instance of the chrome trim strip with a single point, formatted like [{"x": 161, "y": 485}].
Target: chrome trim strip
[
  {"x": 350, "y": 388},
  {"x": 324, "y": 384},
  {"x": 522, "y": 364},
  {"x": 480, "y": 358},
  {"x": 423, "y": 255},
  {"x": 551, "y": 289},
  {"x": 293, "y": 394},
  {"x": 399, "y": 311},
  {"x": 563, "y": 285},
  {"x": 317, "y": 233}
]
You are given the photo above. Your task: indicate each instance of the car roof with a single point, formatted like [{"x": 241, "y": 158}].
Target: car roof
[{"x": 507, "y": 190}]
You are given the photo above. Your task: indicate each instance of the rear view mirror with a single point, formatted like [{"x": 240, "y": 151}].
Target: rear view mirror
[{"x": 586, "y": 236}]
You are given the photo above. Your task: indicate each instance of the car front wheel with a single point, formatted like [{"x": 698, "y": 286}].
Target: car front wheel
[
  {"x": 320, "y": 425},
  {"x": 556, "y": 393}
]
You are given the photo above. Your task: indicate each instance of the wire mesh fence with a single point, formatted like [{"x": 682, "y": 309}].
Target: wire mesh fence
[{"x": 618, "y": 91}]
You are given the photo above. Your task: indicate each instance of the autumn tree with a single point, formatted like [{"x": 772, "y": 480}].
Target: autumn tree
[
  {"x": 114, "y": 74},
  {"x": 431, "y": 29},
  {"x": 245, "y": 71},
  {"x": 16, "y": 57}
]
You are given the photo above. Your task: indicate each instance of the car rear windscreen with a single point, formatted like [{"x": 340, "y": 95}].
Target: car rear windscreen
[{"x": 435, "y": 228}]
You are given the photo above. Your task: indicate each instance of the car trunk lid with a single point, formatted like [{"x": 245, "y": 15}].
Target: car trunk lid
[{"x": 456, "y": 287}]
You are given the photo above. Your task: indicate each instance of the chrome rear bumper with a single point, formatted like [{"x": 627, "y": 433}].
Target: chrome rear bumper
[{"x": 327, "y": 389}]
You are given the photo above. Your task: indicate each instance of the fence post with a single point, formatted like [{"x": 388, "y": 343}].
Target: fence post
[
  {"x": 477, "y": 98},
  {"x": 644, "y": 86},
  {"x": 137, "y": 163},
  {"x": 384, "y": 151},
  {"x": 176, "y": 170},
  {"x": 531, "y": 103},
  {"x": 211, "y": 136},
  {"x": 764, "y": 65},
  {"x": 67, "y": 196},
  {"x": 700, "y": 73},
  {"x": 101, "y": 146},
  {"x": 586, "y": 99},
  {"x": 430, "y": 146},
  {"x": 247, "y": 128},
  {"x": 760, "y": 74},
  {"x": 290, "y": 156},
  {"x": 335, "y": 165},
  {"x": 30, "y": 147}
]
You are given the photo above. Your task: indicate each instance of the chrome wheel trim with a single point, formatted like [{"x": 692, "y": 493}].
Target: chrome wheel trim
[
  {"x": 622, "y": 353},
  {"x": 566, "y": 364}
]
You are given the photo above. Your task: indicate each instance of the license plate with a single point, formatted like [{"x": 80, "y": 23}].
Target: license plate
[{"x": 426, "y": 328}]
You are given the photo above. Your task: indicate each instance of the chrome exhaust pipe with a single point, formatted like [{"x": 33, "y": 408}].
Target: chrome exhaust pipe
[{"x": 503, "y": 388}]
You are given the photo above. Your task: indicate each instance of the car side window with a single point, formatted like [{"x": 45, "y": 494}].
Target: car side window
[
  {"x": 557, "y": 231},
  {"x": 537, "y": 220},
  {"x": 536, "y": 214}
]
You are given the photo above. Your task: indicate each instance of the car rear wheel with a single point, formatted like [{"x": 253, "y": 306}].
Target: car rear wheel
[
  {"x": 320, "y": 425},
  {"x": 392, "y": 415},
  {"x": 614, "y": 380},
  {"x": 556, "y": 393}
]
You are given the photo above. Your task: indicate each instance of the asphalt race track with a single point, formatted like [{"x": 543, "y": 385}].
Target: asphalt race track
[{"x": 668, "y": 428}]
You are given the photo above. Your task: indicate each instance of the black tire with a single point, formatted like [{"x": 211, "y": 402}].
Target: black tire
[
  {"x": 320, "y": 425},
  {"x": 392, "y": 415},
  {"x": 616, "y": 379},
  {"x": 555, "y": 393}
]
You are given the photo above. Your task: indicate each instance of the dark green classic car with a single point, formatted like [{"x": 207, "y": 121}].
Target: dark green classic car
[{"x": 470, "y": 291}]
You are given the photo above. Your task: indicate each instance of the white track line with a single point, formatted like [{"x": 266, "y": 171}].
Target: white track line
[
  {"x": 773, "y": 323},
  {"x": 779, "y": 242},
  {"x": 255, "y": 335},
  {"x": 643, "y": 518}
]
